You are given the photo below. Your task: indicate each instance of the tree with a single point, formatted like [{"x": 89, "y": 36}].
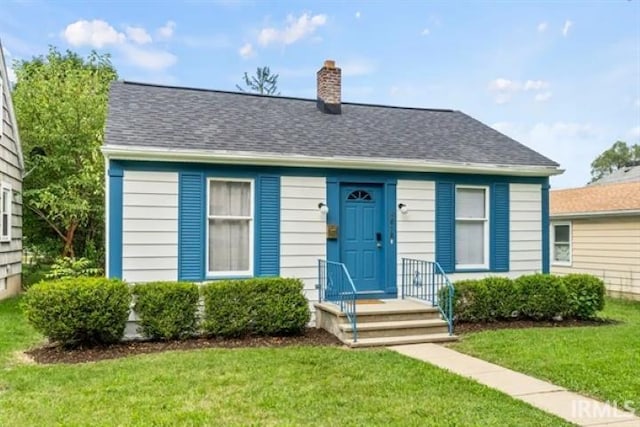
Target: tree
[
  {"x": 61, "y": 102},
  {"x": 263, "y": 82},
  {"x": 620, "y": 155}
]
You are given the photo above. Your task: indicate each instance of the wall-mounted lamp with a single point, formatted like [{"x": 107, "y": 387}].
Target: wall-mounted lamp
[
  {"x": 324, "y": 209},
  {"x": 403, "y": 208}
]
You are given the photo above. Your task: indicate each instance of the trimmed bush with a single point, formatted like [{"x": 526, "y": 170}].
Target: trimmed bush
[
  {"x": 263, "y": 306},
  {"x": 80, "y": 310},
  {"x": 167, "y": 310},
  {"x": 542, "y": 296},
  {"x": 585, "y": 295},
  {"x": 503, "y": 298}
]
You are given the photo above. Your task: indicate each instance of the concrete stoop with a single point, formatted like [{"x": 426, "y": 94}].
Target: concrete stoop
[{"x": 390, "y": 322}]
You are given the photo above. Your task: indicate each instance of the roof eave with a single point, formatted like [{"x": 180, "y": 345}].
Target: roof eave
[
  {"x": 119, "y": 152},
  {"x": 596, "y": 214}
]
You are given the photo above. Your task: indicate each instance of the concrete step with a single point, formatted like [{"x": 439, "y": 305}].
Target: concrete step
[
  {"x": 410, "y": 339},
  {"x": 394, "y": 328}
]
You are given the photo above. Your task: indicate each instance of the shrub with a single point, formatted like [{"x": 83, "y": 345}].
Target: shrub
[
  {"x": 167, "y": 310},
  {"x": 542, "y": 296},
  {"x": 81, "y": 310},
  {"x": 585, "y": 295},
  {"x": 65, "y": 267},
  {"x": 264, "y": 306},
  {"x": 503, "y": 299},
  {"x": 469, "y": 301}
]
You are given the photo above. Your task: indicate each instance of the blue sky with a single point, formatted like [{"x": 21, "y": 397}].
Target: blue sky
[{"x": 561, "y": 77}]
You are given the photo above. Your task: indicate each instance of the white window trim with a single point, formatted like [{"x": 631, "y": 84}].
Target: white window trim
[
  {"x": 553, "y": 243},
  {"x": 230, "y": 274},
  {"x": 4, "y": 186},
  {"x": 485, "y": 264}
]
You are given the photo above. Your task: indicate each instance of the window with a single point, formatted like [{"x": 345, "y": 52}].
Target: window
[
  {"x": 561, "y": 238},
  {"x": 230, "y": 227},
  {"x": 5, "y": 213},
  {"x": 472, "y": 227}
]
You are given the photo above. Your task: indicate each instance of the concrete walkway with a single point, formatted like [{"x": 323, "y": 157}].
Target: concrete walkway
[{"x": 548, "y": 397}]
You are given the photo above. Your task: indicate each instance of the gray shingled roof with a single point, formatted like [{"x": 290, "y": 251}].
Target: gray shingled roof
[{"x": 169, "y": 117}]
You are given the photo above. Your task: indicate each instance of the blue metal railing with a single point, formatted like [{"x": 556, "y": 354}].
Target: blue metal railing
[
  {"x": 427, "y": 281},
  {"x": 336, "y": 286}
]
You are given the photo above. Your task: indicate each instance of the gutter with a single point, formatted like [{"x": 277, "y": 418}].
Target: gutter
[
  {"x": 598, "y": 214},
  {"x": 120, "y": 152}
]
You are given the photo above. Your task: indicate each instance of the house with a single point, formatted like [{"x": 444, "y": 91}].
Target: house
[
  {"x": 205, "y": 185},
  {"x": 625, "y": 174},
  {"x": 596, "y": 230},
  {"x": 11, "y": 171}
]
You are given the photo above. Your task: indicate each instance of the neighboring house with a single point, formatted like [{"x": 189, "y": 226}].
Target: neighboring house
[
  {"x": 11, "y": 170},
  {"x": 205, "y": 184},
  {"x": 596, "y": 230},
  {"x": 625, "y": 174}
]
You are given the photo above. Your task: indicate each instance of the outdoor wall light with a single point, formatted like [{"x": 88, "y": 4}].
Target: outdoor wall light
[
  {"x": 403, "y": 208},
  {"x": 324, "y": 209}
]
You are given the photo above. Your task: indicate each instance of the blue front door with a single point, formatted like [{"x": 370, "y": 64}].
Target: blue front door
[{"x": 362, "y": 243}]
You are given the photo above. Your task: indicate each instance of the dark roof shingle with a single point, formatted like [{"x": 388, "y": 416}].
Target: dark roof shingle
[{"x": 169, "y": 117}]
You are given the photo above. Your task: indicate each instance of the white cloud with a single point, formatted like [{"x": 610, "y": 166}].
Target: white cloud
[
  {"x": 357, "y": 67},
  {"x": 426, "y": 32},
  {"x": 504, "y": 89},
  {"x": 542, "y": 27},
  {"x": 358, "y": 15},
  {"x": 11, "y": 74},
  {"x": 543, "y": 96},
  {"x": 502, "y": 85},
  {"x": 294, "y": 30},
  {"x": 535, "y": 85},
  {"x": 96, "y": 33},
  {"x": 246, "y": 51},
  {"x": 567, "y": 26},
  {"x": 138, "y": 35},
  {"x": 167, "y": 30},
  {"x": 150, "y": 59},
  {"x": 634, "y": 132}
]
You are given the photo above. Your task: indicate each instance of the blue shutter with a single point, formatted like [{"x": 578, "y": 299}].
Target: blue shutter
[
  {"x": 445, "y": 225},
  {"x": 267, "y": 247},
  {"x": 499, "y": 243},
  {"x": 114, "y": 269},
  {"x": 191, "y": 219},
  {"x": 545, "y": 227}
]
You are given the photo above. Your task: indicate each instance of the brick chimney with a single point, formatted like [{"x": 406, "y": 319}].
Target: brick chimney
[{"x": 329, "y": 88}]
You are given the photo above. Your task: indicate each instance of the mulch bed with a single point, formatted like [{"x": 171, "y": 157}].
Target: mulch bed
[
  {"x": 465, "y": 328},
  {"x": 58, "y": 354}
]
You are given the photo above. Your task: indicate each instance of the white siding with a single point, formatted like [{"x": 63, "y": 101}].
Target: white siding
[
  {"x": 416, "y": 228},
  {"x": 303, "y": 230},
  {"x": 150, "y": 226},
  {"x": 525, "y": 229}
]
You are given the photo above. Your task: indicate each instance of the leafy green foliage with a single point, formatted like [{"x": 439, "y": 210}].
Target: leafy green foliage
[
  {"x": 586, "y": 295},
  {"x": 264, "y": 306},
  {"x": 263, "y": 82},
  {"x": 543, "y": 296},
  {"x": 503, "y": 298},
  {"x": 620, "y": 155},
  {"x": 66, "y": 267},
  {"x": 167, "y": 310},
  {"x": 61, "y": 102},
  {"x": 81, "y": 310},
  {"x": 484, "y": 300}
]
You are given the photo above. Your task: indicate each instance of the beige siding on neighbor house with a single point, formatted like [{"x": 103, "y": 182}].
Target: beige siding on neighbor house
[
  {"x": 150, "y": 226},
  {"x": 608, "y": 248},
  {"x": 302, "y": 230},
  {"x": 11, "y": 174}
]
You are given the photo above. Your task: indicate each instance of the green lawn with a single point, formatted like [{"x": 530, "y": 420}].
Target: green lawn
[
  {"x": 268, "y": 386},
  {"x": 601, "y": 361}
]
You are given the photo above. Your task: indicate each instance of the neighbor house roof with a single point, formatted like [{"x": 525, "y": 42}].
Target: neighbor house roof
[
  {"x": 609, "y": 199},
  {"x": 626, "y": 174},
  {"x": 167, "y": 118}
]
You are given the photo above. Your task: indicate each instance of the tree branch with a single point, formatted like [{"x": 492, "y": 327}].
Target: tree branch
[{"x": 48, "y": 221}]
